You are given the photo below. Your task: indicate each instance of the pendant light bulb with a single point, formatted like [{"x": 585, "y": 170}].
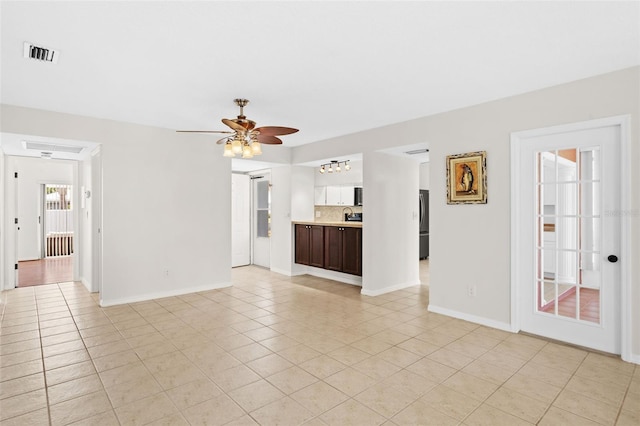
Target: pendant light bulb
[
  {"x": 347, "y": 166},
  {"x": 330, "y": 170},
  {"x": 322, "y": 169},
  {"x": 338, "y": 169}
]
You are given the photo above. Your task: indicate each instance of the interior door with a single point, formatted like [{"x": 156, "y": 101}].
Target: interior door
[
  {"x": 240, "y": 220},
  {"x": 570, "y": 237},
  {"x": 261, "y": 220}
]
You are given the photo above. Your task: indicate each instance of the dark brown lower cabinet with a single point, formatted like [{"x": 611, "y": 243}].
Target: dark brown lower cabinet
[
  {"x": 309, "y": 248},
  {"x": 338, "y": 248},
  {"x": 352, "y": 251},
  {"x": 333, "y": 248},
  {"x": 343, "y": 249}
]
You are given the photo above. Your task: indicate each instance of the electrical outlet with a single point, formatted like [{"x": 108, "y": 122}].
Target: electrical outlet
[{"x": 471, "y": 290}]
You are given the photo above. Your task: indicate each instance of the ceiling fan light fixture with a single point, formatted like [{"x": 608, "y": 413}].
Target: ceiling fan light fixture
[
  {"x": 256, "y": 148},
  {"x": 228, "y": 150},
  {"x": 236, "y": 145},
  {"x": 246, "y": 151},
  {"x": 246, "y": 139}
]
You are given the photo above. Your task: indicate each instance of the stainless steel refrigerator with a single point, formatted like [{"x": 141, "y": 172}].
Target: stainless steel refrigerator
[{"x": 424, "y": 223}]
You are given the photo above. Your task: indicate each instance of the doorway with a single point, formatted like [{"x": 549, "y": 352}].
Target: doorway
[
  {"x": 56, "y": 238},
  {"x": 44, "y": 212},
  {"x": 568, "y": 248},
  {"x": 24, "y": 175}
]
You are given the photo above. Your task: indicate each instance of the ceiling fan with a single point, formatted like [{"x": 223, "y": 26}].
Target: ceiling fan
[{"x": 246, "y": 138}]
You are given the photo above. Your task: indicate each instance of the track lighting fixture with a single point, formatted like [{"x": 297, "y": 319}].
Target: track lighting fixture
[{"x": 335, "y": 166}]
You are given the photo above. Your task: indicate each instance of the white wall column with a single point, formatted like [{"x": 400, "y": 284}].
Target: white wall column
[{"x": 390, "y": 232}]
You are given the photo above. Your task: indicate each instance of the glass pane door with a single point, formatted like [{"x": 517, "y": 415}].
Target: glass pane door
[
  {"x": 568, "y": 234},
  {"x": 263, "y": 209}
]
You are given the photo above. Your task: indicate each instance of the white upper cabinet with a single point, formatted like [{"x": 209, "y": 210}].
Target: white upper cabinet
[
  {"x": 339, "y": 195},
  {"x": 347, "y": 195},
  {"x": 333, "y": 196},
  {"x": 321, "y": 196}
]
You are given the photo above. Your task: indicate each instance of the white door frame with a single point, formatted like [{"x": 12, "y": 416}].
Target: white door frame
[
  {"x": 623, "y": 122},
  {"x": 95, "y": 201}
]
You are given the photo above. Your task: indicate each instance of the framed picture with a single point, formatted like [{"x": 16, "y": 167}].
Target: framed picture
[{"x": 467, "y": 178}]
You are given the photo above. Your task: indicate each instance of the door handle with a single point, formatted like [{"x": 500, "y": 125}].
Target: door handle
[{"x": 612, "y": 258}]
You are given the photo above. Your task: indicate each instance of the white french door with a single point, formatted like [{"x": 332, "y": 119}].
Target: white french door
[
  {"x": 568, "y": 234},
  {"x": 240, "y": 220}
]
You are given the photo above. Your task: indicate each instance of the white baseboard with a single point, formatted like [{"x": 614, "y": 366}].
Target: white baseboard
[
  {"x": 634, "y": 359},
  {"x": 366, "y": 292},
  {"x": 161, "y": 294},
  {"x": 87, "y": 285},
  {"x": 282, "y": 271},
  {"x": 333, "y": 275},
  {"x": 299, "y": 269},
  {"x": 472, "y": 318}
]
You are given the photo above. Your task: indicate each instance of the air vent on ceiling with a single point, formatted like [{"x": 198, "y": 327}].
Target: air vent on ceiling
[
  {"x": 40, "y": 53},
  {"x": 39, "y": 146},
  {"x": 417, "y": 151},
  {"x": 46, "y": 155}
]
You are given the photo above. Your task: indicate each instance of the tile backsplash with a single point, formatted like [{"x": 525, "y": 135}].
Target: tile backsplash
[{"x": 334, "y": 213}]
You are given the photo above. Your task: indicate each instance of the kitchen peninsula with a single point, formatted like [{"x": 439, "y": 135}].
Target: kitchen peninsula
[{"x": 334, "y": 246}]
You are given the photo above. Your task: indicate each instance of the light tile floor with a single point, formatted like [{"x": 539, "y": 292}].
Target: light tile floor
[{"x": 275, "y": 350}]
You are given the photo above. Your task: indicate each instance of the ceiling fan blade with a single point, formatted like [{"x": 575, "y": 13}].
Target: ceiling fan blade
[
  {"x": 275, "y": 130},
  {"x": 224, "y": 140},
  {"x": 247, "y": 125},
  {"x": 235, "y": 126},
  {"x": 202, "y": 131},
  {"x": 268, "y": 139}
]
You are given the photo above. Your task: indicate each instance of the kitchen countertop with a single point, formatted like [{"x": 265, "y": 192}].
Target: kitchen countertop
[{"x": 345, "y": 224}]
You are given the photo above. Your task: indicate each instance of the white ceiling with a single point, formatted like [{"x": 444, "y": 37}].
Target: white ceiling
[{"x": 327, "y": 68}]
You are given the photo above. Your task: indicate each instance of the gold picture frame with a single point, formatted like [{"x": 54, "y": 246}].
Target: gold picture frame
[{"x": 467, "y": 178}]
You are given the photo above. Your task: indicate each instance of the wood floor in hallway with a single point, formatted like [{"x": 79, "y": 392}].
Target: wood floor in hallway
[
  {"x": 50, "y": 270},
  {"x": 589, "y": 305}
]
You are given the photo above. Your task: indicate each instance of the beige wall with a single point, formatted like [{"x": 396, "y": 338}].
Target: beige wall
[
  {"x": 485, "y": 229},
  {"x": 166, "y": 204}
]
